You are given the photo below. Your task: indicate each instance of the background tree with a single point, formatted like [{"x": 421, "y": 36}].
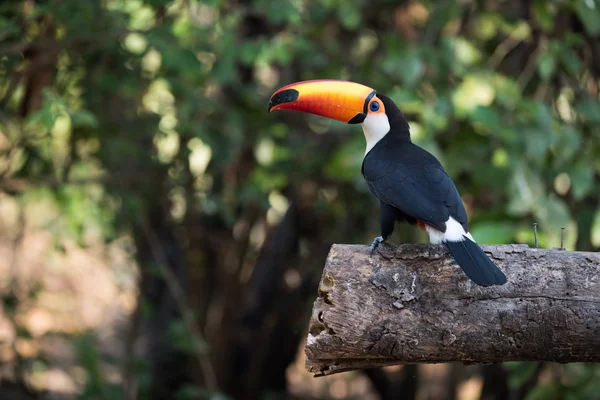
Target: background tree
[{"x": 141, "y": 125}]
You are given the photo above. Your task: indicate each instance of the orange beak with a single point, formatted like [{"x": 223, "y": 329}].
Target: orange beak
[{"x": 340, "y": 100}]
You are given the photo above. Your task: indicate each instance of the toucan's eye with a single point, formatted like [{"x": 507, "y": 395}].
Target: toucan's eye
[{"x": 374, "y": 106}]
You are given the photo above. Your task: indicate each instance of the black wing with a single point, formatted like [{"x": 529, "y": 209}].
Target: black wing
[{"x": 412, "y": 180}]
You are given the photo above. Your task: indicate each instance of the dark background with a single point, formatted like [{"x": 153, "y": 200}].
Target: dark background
[{"x": 162, "y": 235}]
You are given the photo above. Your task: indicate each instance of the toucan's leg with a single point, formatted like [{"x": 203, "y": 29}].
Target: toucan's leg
[{"x": 388, "y": 215}]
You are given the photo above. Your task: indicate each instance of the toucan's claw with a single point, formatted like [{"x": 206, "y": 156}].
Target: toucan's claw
[{"x": 376, "y": 242}]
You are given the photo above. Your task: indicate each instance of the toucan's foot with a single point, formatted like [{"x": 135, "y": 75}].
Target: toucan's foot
[{"x": 376, "y": 242}]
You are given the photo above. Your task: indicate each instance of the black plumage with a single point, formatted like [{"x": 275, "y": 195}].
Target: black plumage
[
  {"x": 412, "y": 185},
  {"x": 475, "y": 263}
]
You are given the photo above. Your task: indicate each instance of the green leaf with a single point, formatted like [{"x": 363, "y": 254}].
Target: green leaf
[
  {"x": 346, "y": 161},
  {"x": 486, "y": 25},
  {"x": 508, "y": 92},
  {"x": 537, "y": 144},
  {"x": 493, "y": 232},
  {"x": 466, "y": 51},
  {"x": 568, "y": 143},
  {"x": 525, "y": 190},
  {"x": 407, "y": 65},
  {"x": 570, "y": 60},
  {"x": 588, "y": 110},
  {"x": 286, "y": 12},
  {"x": 544, "y": 118},
  {"x": 552, "y": 214},
  {"x": 546, "y": 66},
  {"x": 486, "y": 118},
  {"x": 412, "y": 69},
  {"x": 543, "y": 14},
  {"x": 582, "y": 178},
  {"x": 436, "y": 115},
  {"x": 224, "y": 69},
  {"x": 84, "y": 119},
  {"x": 588, "y": 12},
  {"x": 349, "y": 15},
  {"x": 407, "y": 100}
]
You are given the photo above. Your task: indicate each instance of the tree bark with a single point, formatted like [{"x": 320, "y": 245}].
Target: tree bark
[{"x": 413, "y": 304}]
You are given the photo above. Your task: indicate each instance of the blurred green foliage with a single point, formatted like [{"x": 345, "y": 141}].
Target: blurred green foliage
[
  {"x": 522, "y": 139},
  {"x": 107, "y": 107}
]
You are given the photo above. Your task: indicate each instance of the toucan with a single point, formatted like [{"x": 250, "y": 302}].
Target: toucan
[{"x": 410, "y": 183}]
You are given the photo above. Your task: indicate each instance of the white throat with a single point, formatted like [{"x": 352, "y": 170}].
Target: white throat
[{"x": 375, "y": 127}]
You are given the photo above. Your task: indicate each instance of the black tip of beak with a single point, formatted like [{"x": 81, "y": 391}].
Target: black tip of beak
[{"x": 285, "y": 96}]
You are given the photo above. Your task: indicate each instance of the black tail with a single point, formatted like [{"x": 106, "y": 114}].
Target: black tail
[{"x": 476, "y": 264}]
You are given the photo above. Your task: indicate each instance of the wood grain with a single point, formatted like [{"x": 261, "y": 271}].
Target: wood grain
[{"x": 413, "y": 304}]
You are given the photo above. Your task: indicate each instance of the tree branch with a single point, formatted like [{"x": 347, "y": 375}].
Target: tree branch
[
  {"x": 413, "y": 304},
  {"x": 210, "y": 378}
]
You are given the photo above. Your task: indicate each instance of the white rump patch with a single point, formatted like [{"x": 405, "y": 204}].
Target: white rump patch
[
  {"x": 454, "y": 233},
  {"x": 375, "y": 127}
]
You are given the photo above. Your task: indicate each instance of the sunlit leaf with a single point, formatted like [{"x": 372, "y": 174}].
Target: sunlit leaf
[
  {"x": 474, "y": 91},
  {"x": 595, "y": 231}
]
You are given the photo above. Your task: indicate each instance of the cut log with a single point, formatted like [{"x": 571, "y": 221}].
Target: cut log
[{"x": 413, "y": 304}]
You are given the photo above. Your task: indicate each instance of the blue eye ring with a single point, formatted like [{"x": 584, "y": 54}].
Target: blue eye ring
[{"x": 374, "y": 106}]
